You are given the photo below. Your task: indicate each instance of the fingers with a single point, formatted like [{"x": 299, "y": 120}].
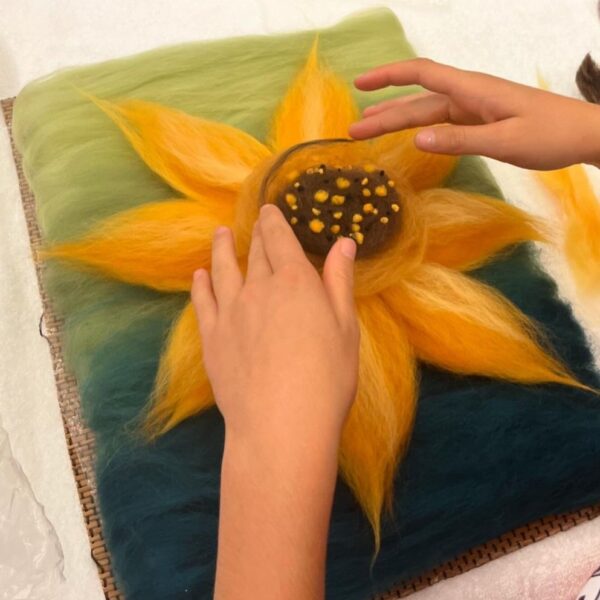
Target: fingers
[
  {"x": 279, "y": 242},
  {"x": 393, "y": 103},
  {"x": 427, "y": 110},
  {"x": 338, "y": 279},
  {"x": 204, "y": 302},
  {"x": 258, "y": 263},
  {"x": 487, "y": 140},
  {"x": 225, "y": 272},
  {"x": 431, "y": 75}
]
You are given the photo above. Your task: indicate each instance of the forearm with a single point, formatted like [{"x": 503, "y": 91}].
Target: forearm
[
  {"x": 276, "y": 496},
  {"x": 587, "y": 145}
]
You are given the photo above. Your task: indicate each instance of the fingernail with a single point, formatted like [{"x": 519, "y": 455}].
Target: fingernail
[
  {"x": 221, "y": 230},
  {"x": 348, "y": 248},
  {"x": 355, "y": 130},
  {"x": 425, "y": 138}
]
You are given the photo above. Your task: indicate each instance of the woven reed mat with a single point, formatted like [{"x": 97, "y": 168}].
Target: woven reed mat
[{"x": 80, "y": 442}]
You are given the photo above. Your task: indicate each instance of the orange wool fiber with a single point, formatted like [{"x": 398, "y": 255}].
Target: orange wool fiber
[
  {"x": 158, "y": 245},
  {"x": 317, "y": 105},
  {"x": 181, "y": 385},
  {"x": 580, "y": 212},
  {"x": 378, "y": 427},
  {"x": 465, "y": 230},
  {"x": 195, "y": 156},
  {"x": 464, "y": 326}
]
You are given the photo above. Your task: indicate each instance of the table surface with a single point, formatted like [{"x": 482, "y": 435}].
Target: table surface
[{"x": 512, "y": 39}]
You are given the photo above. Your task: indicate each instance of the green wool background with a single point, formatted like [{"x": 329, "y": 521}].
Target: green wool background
[{"x": 485, "y": 456}]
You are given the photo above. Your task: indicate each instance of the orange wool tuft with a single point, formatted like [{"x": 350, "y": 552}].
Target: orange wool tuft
[
  {"x": 317, "y": 105},
  {"x": 158, "y": 245},
  {"x": 182, "y": 388},
  {"x": 464, "y": 326},
  {"x": 465, "y": 230},
  {"x": 195, "y": 156},
  {"x": 378, "y": 427},
  {"x": 580, "y": 210}
]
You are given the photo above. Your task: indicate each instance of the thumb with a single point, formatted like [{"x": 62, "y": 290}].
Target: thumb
[
  {"x": 461, "y": 139},
  {"x": 338, "y": 279}
]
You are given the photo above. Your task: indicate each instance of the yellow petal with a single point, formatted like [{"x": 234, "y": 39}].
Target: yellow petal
[
  {"x": 195, "y": 156},
  {"x": 317, "y": 105},
  {"x": 182, "y": 388},
  {"x": 459, "y": 324},
  {"x": 580, "y": 210},
  {"x": 378, "y": 427},
  {"x": 465, "y": 230},
  {"x": 158, "y": 245},
  {"x": 400, "y": 256},
  {"x": 397, "y": 153}
]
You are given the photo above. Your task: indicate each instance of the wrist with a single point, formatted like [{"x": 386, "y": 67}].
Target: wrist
[
  {"x": 275, "y": 505},
  {"x": 285, "y": 420},
  {"x": 272, "y": 443}
]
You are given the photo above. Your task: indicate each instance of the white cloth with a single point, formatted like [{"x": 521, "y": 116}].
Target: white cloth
[{"x": 512, "y": 39}]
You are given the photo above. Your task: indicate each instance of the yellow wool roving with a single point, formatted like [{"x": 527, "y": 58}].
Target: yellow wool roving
[{"x": 580, "y": 214}]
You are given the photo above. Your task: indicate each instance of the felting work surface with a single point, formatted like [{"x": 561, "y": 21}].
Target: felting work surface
[
  {"x": 48, "y": 559},
  {"x": 420, "y": 20}
]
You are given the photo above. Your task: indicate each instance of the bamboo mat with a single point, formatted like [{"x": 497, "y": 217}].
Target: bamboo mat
[{"x": 80, "y": 443}]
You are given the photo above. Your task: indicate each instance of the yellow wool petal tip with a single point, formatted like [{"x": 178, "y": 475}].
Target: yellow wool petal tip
[
  {"x": 158, "y": 245},
  {"x": 181, "y": 388},
  {"x": 378, "y": 427},
  {"x": 195, "y": 156},
  {"x": 464, "y": 230},
  {"x": 579, "y": 210},
  {"x": 541, "y": 80},
  {"x": 317, "y": 105},
  {"x": 462, "y": 325}
]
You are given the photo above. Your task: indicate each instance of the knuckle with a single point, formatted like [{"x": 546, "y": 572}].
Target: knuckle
[
  {"x": 423, "y": 66},
  {"x": 505, "y": 142},
  {"x": 250, "y": 293},
  {"x": 383, "y": 123},
  {"x": 424, "y": 62},
  {"x": 293, "y": 273},
  {"x": 455, "y": 139}
]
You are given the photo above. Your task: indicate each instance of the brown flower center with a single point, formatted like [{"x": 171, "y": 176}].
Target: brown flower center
[{"x": 324, "y": 203}]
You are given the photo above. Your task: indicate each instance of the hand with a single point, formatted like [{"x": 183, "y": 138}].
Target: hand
[
  {"x": 281, "y": 352},
  {"x": 489, "y": 116},
  {"x": 281, "y": 347}
]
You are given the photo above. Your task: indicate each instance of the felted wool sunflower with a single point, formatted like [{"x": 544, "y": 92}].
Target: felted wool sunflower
[{"x": 415, "y": 242}]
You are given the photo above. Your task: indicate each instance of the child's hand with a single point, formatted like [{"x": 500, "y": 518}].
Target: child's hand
[
  {"x": 281, "y": 352},
  {"x": 490, "y": 116},
  {"x": 281, "y": 346}
]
